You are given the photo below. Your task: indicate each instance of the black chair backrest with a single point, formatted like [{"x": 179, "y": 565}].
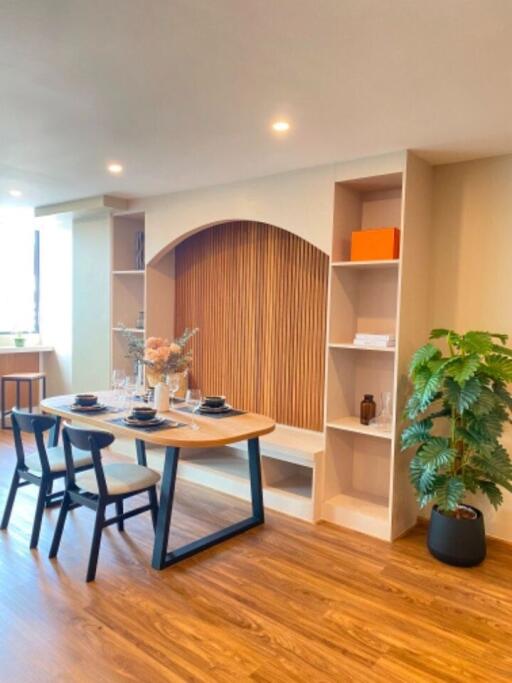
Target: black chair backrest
[
  {"x": 37, "y": 425},
  {"x": 92, "y": 440}
]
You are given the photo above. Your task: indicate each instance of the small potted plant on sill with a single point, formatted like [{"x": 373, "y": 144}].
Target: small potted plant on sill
[
  {"x": 19, "y": 340},
  {"x": 457, "y": 411}
]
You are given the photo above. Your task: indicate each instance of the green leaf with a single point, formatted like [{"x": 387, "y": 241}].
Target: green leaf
[
  {"x": 422, "y": 356},
  {"x": 503, "y": 350},
  {"x": 496, "y": 466},
  {"x": 486, "y": 427},
  {"x": 501, "y": 391},
  {"x": 436, "y": 453},
  {"x": 476, "y": 342},
  {"x": 463, "y": 368},
  {"x": 502, "y": 337},
  {"x": 413, "y": 408},
  {"x": 492, "y": 492},
  {"x": 486, "y": 403},
  {"x": 498, "y": 367},
  {"x": 422, "y": 477},
  {"x": 450, "y": 493},
  {"x": 417, "y": 433},
  {"x": 462, "y": 396},
  {"x": 472, "y": 440},
  {"x": 438, "y": 333}
]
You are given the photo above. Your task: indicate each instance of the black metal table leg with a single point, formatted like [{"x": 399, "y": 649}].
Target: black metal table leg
[
  {"x": 163, "y": 522},
  {"x": 162, "y": 558}
]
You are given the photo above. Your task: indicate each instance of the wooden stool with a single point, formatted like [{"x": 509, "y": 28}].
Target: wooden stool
[{"x": 19, "y": 378}]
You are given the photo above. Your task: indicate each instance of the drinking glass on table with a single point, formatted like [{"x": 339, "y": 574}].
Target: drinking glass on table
[
  {"x": 118, "y": 379},
  {"x": 130, "y": 389},
  {"x": 193, "y": 399},
  {"x": 174, "y": 385}
]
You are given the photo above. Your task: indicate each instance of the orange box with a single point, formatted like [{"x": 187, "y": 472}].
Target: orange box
[{"x": 375, "y": 244}]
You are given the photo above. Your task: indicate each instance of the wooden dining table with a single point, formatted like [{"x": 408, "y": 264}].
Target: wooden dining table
[{"x": 212, "y": 431}]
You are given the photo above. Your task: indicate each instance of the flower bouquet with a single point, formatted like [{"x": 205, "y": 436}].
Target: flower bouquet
[{"x": 163, "y": 358}]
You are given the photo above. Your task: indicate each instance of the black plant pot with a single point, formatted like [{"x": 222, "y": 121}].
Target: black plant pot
[{"x": 460, "y": 542}]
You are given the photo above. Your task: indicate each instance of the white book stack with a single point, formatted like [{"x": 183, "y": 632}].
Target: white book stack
[{"x": 384, "y": 341}]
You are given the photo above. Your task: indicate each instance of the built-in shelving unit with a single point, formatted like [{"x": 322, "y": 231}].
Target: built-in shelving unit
[
  {"x": 365, "y": 484},
  {"x": 127, "y": 286}
]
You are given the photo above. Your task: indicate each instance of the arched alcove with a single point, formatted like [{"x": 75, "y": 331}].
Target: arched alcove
[{"x": 259, "y": 297}]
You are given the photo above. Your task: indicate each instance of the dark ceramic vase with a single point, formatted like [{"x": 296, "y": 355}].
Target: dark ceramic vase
[{"x": 459, "y": 542}]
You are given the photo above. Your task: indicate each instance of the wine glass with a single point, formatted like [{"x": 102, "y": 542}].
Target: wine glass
[
  {"x": 193, "y": 399},
  {"x": 118, "y": 379},
  {"x": 174, "y": 385},
  {"x": 130, "y": 389}
]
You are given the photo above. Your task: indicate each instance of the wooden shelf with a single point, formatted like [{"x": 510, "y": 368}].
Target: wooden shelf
[
  {"x": 133, "y": 330},
  {"x": 364, "y": 503},
  {"x": 128, "y": 272},
  {"x": 355, "y": 347},
  {"x": 352, "y": 424},
  {"x": 366, "y": 265},
  {"x": 359, "y": 511}
]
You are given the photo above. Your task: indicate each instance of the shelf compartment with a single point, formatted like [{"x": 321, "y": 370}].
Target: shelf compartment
[
  {"x": 357, "y": 482},
  {"x": 364, "y": 203},
  {"x": 353, "y": 373},
  {"x": 352, "y": 424},
  {"x": 226, "y": 469},
  {"x": 367, "y": 265},
  {"x": 287, "y": 477},
  {"x": 365, "y": 513},
  {"x": 125, "y": 228},
  {"x": 364, "y": 301}
]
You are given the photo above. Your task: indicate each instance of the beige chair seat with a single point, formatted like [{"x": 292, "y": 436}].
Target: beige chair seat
[
  {"x": 57, "y": 460},
  {"x": 120, "y": 478}
]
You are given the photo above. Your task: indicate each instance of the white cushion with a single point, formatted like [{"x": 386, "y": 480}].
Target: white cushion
[
  {"x": 57, "y": 460},
  {"x": 120, "y": 478}
]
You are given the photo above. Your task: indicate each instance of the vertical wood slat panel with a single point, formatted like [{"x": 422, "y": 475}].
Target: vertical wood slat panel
[{"x": 259, "y": 297}]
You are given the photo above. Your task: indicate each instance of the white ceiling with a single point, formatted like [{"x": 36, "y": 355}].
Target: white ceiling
[{"x": 182, "y": 92}]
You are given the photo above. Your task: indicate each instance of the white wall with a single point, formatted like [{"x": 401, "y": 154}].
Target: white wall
[
  {"x": 472, "y": 276},
  {"x": 56, "y": 233},
  {"x": 91, "y": 302},
  {"x": 75, "y": 301},
  {"x": 300, "y": 202}
]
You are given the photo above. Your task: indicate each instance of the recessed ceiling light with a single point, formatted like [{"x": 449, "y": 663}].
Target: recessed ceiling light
[
  {"x": 115, "y": 168},
  {"x": 15, "y": 193},
  {"x": 281, "y": 126}
]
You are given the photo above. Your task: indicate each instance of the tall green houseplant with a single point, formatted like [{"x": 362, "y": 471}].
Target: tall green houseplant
[{"x": 457, "y": 411}]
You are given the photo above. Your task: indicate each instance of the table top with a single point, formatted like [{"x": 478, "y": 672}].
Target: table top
[{"x": 211, "y": 432}]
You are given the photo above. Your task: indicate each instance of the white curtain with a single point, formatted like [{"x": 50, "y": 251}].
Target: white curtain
[{"x": 17, "y": 276}]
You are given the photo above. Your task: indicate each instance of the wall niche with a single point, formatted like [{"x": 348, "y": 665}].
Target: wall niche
[{"x": 259, "y": 296}]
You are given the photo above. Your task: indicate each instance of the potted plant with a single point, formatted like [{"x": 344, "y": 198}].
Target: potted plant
[
  {"x": 457, "y": 411},
  {"x": 19, "y": 340}
]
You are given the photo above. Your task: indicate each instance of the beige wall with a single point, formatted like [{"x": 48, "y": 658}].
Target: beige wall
[
  {"x": 472, "y": 270},
  {"x": 301, "y": 202}
]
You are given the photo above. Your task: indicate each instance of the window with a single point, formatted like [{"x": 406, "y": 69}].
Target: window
[{"x": 19, "y": 272}]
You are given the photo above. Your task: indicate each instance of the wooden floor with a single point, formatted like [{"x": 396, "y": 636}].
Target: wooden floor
[{"x": 285, "y": 602}]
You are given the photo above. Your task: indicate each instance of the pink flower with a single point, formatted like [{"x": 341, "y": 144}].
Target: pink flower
[{"x": 154, "y": 342}]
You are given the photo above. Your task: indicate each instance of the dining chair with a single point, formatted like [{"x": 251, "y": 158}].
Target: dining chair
[
  {"x": 100, "y": 487},
  {"x": 41, "y": 468}
]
